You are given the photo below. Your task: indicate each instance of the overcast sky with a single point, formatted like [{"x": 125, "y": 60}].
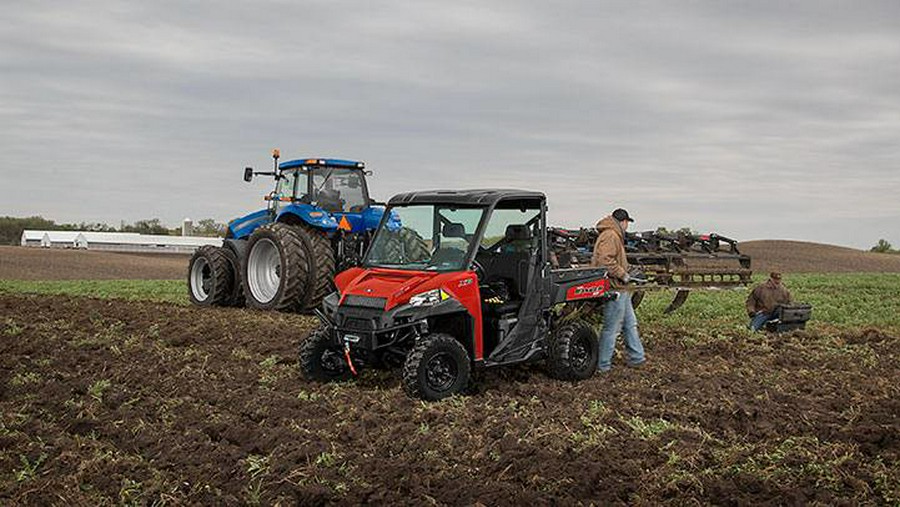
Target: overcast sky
[{"x": 753, "y": 119}]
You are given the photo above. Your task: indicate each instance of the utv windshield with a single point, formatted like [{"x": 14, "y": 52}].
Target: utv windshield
[{"x": 425, "y": 237}]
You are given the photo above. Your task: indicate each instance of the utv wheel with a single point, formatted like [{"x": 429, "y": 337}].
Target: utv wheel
[
  {"x": 438, "y": 366},
  {"x": 276, "y": 269},
  {"x": 210, "y": 277},
  {"x": 320, "y": 276},
  {"x": 236, "y": 297},
  {"x": 321, "y": 359},
  {"x": 573, "y": 351}
]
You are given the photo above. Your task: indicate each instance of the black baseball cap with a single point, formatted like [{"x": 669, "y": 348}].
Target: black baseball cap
[{"x": 621, "y": 214}]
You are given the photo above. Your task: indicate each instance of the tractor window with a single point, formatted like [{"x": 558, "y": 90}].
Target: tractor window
[
  {"x": 291, "y": 184},
  {"x": 336, "y": 189}
]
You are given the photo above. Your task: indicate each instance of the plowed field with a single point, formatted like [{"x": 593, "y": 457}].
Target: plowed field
[
  {"x": 804, "y": 257},
  {"x": 109, "y": 402},
  {"x": 31, "y": 263}
]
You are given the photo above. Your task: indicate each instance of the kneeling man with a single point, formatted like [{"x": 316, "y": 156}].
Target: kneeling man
[{"x": 764, "y": 299}]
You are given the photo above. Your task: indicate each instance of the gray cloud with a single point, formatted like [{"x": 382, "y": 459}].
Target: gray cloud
[{"x": 755, "y": 119}]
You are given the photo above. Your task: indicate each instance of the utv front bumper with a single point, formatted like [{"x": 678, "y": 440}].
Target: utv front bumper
[{"x": 363, "y": 323}]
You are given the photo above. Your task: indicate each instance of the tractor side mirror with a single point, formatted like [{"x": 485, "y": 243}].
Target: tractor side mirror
[{"x": 248, "y": 174}]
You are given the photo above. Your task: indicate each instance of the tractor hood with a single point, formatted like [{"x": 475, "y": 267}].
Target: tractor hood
[{"x": 397, "y": 286}]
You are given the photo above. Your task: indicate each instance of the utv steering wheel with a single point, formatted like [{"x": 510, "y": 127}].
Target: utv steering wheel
[{"x": 478, "y": 269}]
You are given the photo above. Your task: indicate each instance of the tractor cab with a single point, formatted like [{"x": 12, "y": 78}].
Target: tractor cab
[
  {"x": 327, "y": 194},
  {"x": 455, "y": 280},
  {"x": 335, "y": 186}
]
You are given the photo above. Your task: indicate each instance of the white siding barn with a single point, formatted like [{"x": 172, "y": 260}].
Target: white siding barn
[{"x": 116, "y": 241}]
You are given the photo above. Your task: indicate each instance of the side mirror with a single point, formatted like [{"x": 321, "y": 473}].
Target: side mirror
[{"x": 248, "y": 174}]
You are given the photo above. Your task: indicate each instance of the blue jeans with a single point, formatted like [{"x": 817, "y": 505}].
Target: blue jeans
[
  {"x": 618, "y": 316},
  {"x": 759, "y": 320}
]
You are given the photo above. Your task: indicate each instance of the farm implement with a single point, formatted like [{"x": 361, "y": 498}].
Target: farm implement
[
  {"x": 318, "y": 221},
  {"x": 670, "y": 261}
]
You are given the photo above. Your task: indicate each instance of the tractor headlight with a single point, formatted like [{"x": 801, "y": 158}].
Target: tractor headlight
[{"x": 429, "y": 298}]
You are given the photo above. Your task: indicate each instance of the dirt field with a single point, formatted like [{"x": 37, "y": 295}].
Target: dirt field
[
  {"x": 803, "y": 257},
  {"x": 21, "y": 263},
  {"x": 129, "y": 402}
]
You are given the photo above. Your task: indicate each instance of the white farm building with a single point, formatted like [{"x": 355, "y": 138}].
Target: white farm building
[{"x": 117, "y": 241}]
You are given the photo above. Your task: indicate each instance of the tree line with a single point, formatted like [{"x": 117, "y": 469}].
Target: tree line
[
  {"x": 11, "y": 228},
  {"x": 884, "y": 246}
]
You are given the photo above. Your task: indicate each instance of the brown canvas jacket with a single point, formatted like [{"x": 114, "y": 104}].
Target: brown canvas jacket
[
  {"x": 609, "y": 250},
  {"x": 766, "y": 296}
]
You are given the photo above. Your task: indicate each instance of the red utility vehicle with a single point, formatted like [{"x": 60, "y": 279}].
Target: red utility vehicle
[{"x": 454, "y": 281}]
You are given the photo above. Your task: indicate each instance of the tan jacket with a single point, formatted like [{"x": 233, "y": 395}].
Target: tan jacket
[
  {"x": 609, "y": 250},
  {"x": 766, "y": 296}
]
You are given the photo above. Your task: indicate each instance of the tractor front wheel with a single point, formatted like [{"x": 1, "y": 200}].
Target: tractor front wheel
[
  {"x": 321, "y": 359},
  {"x": 573, "y": 351},
  {"x": 210, "y": 277},
  {"x": 438, "y": 366},
  {"x": 276, "y": 270}
]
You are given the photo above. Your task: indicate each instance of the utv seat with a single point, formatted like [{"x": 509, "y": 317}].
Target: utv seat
[
  {"x": 508, "y": 268},
  {"x": 511, "y": 263}
]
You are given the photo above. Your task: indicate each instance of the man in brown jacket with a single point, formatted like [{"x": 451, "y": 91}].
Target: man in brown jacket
[
  {"x": 618, "y": 314},
  {"x": 763, "y": 300}
]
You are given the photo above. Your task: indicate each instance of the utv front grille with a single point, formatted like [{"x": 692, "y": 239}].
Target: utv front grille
[
  {"x": 365, "y": 302},
  {"x": 355, "y": 324}
]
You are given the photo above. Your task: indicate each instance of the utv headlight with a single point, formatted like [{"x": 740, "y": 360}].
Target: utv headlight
[{"x": 429, "y": 298}]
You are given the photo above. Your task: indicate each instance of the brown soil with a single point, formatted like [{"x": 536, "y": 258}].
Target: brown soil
[
  {"x": 122, "y": 402},
  {"x": 29, "y": 263},
  {"x": 803, "y": 257}
]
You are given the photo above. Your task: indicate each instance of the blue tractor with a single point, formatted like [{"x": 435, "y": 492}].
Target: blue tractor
[{"x": 319, "y": 221}]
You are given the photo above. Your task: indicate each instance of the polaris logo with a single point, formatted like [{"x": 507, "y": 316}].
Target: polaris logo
[
  {"x": 351, "y": 338},
  {"x": 593, "y": 291}
]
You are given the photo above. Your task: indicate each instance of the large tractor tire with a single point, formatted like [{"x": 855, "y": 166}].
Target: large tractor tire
[
  {"x": 237, "y": 292},
  {"x": 406, "y": 244},
  {"x": 321, "y": 359},
  {"x": 320, "y": 277},
  {"x": 573, "y": 351},
  {"x": 211, "y": 277},
  {"x": 438, "y": 366},
  {"x": 276, "y": 270}
]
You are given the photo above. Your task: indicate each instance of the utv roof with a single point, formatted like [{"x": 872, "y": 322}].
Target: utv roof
[
  {"x": 326, "y": 162},
  {"x": 481, "y": 197}
]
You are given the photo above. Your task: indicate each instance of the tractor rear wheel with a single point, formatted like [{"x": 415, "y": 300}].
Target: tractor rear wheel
[
  {"x": 321, "y": 359},
  {"x": 277, "y": 269},
  {"x": 237, "y": 292},
  {"x": 573, "y": 351},
  {"x": 210, "y": 277},
  {"x": 438, "y": 366},
  {"x": 319, "y": 278}
]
